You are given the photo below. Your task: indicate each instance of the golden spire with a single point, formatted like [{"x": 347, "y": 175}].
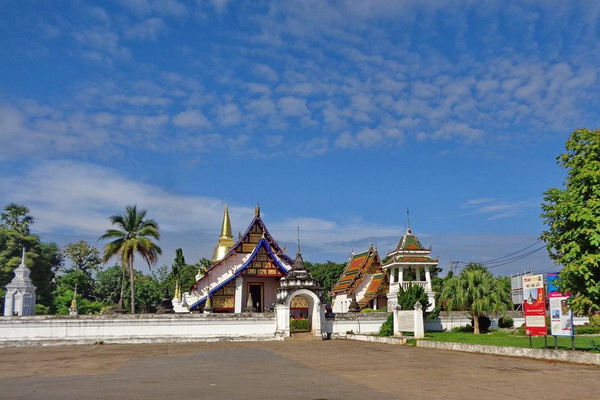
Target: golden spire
[
  {"x": 226, "y": 227},
  {"x": 225, "y": 240}
]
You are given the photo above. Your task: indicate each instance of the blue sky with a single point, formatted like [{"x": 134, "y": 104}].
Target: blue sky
[{"x": 335, "y": 116}]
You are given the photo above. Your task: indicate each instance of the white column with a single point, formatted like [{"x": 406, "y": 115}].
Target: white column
[
  {"x": 239, "y": 291},
  {"x": 418, "y": 272},
  {"x": 400, "y": 276},
  {"x": 428, "y": 277},
  {"x": 392, "y": 275}
]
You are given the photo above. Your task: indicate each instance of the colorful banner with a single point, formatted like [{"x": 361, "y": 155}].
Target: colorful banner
[
  {"x": 561, "y": 317},
  {"x": 534, "y": 305}
]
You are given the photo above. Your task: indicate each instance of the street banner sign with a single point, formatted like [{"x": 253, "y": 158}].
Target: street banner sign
[
  {"x": 534, "y": 305},
  {"x": 561, "y": 317}
]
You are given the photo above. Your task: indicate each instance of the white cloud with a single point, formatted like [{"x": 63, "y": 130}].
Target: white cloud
[
  {"x": 229, "y": 114},
  {"x": 494, "y": 209},
  {"x": 292, "y": 107},
  {"x": 148, "y": 29},
  {"x": 190, "y": 119}
]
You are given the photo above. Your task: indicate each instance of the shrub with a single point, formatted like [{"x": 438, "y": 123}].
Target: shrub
[
  {"x": 506, "y": 322},
  {"x": 370, "y": 310},
  {"x": 463, "y": 329},
  {"x": 387, "y": 329},
  {"x": 407, "y": 298},
  {"x": 40, "y": 309},
  {"x": 587, "y": 330},
  {"x": 299, "y": 325}
]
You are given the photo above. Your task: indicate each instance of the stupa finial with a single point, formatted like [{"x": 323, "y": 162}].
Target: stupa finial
[
  {"x": 257, "y": 210},
  {"x": 408, "y": 230}
]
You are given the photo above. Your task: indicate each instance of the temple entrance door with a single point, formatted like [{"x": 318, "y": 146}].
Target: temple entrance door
[{"x": 255, "y": 291}]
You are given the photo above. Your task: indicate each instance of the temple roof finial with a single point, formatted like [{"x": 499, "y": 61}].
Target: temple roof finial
[
  {"x": 23, "y": 257},
  {"x": 257, "y": 210},
  {"x": 298, "y": 239},
  {"x": 408, "y": 230}
]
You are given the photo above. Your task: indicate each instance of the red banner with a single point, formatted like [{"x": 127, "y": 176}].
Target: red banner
[{"x": 534, "y": 305}]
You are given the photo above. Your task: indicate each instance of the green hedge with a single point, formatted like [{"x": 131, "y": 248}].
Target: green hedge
[{"x": 299, "y": 325}]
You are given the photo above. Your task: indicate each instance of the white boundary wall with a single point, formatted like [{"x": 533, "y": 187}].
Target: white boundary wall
[{"x": 136, "y": 329}]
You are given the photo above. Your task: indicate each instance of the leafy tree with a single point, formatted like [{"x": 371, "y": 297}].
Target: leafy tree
[
  {"x": 407, "y": 298},
  {"x": 83, "y": 257},
  {"x": 476, "y": 291},
  {"x": 43, "y": 259},
  {"x": 108, "y": 284},
  {"x": 327, "y": 274},
  {"x": 148, "y": 293},
  {"x": 573, "y": 218},
  {"x": 134, "y": 236},
  {"x": 182, "y": 273},
  {"x": 203, "y": 264},
  {"x": 15, "y": 217}
]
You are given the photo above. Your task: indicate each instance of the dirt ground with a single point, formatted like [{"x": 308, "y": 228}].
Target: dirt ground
[{"x": 291, "y": 369}]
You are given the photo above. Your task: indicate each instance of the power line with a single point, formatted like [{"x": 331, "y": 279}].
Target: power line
[
  {"x": 512, "y": 254},
  {"x": 509, "y": 258}
]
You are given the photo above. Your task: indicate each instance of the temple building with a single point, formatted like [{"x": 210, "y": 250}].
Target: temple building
[
  {"x": 20, "y": 292},
  {"x": 363, "y": 281},
  {"x": 409, "y": 264},
  {"x": 244, "y": 276}
]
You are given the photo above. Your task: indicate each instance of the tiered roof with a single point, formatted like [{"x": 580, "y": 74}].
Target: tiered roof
[
  {"x": 363, "y": 269},
  {"x": 409, "y": 251},
  {"x": 377, "y": 286}
]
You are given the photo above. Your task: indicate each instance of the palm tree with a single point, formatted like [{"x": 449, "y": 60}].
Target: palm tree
[
  {"x": 134, "y": 236},
  {"x": 475, "y": 290},
  {"x": 15, "y": 217}
]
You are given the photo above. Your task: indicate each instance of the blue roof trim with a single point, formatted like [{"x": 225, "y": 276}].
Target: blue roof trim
[{"x": 263, "y": 242}]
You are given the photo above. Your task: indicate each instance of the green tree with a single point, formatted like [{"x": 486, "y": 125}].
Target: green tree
[
  {"x": 43, "y": 259},
  {"x": 85, "y": 262},
  {"x": 476, "y": 291},
  {"x": 108, "y": 285},
  {"x": 15, "y": 217},
  {"x": 84, "y": 257},
  {"x": 407, "y": 298},
  {"x": 572, "y": 215},
  {"x": 181, "y": 272},
  {"x": 148, "y": 293},
  {"x": 65, "y": 289},
  {"x": 134, "y": 236},
  {"x": 327, "y": 274}
]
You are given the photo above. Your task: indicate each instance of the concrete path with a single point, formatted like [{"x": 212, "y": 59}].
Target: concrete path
[{"x": 283, "y": 370}]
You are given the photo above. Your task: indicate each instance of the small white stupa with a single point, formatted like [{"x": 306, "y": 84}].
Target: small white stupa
[{"x": 20, "y": 292}]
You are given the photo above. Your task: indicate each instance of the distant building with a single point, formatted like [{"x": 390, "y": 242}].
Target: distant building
[
  {"x": 362, "y": 279},
  {"x": 20, "y": 292}
]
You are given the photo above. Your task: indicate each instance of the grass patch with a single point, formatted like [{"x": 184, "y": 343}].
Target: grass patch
[{"x": 500, "y": 338}]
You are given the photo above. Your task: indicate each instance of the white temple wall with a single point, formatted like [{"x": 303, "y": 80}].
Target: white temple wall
[
  {"x": 137, "y": 329},
  {"x": 341, "y": 302}
]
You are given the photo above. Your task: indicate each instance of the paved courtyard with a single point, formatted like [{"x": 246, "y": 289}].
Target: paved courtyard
[{"x": 283, "y": 370}]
